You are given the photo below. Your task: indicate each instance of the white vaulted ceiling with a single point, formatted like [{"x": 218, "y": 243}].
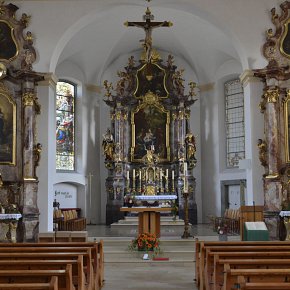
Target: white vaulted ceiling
[{"x": 205, "y": 33}]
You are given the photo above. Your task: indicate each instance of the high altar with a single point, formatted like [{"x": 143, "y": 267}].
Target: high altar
[{"x": 149, "y": 148}]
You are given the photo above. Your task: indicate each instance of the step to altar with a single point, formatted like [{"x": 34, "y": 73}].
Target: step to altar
[{"x": 176, "y": 250}]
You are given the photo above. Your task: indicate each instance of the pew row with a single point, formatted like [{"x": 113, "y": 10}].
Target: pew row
[
  {"x": 39, "y": 276},
  {"x": 200, "y": 253},
  {"x": 218, "y": 277},
  {"x": 96, "y": 249},
  {"x": 52, "y": 285},
  {"x": 78, "y": 275},
  {"x": 211, "y": 251},
  {"x": 244, "y": 285},
  {"x": 254, "y": 275}
]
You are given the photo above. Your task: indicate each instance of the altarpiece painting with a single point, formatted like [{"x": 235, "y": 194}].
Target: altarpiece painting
[
  {"x": 150, "y": 127},
  {"x": 7, "y": 128}
]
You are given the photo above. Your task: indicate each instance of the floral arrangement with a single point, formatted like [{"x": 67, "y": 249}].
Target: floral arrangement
[{"x": 146, "y": 242}]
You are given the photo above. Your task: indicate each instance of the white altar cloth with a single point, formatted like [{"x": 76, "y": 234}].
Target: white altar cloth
[
  {"x": 284, "y": 213},
  {"x": 10, "y": 216},
  {"x": 156, "y": 197}
]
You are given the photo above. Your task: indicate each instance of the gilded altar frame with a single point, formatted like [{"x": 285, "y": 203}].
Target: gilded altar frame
[
  {"x": 141, "y": 121},
  {"x": 7, "y": 127},
  {"x": 9, "y": 45},
  {"x": 287, "y": 126}
]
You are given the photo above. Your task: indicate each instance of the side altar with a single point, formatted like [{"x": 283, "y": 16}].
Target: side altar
[{"x": 149, "y": 148}]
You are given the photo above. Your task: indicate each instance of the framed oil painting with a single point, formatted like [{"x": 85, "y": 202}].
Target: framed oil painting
[
  {"x": 287, "y": 127},
  {"x": 8, "y": 44},
  {"x": 7, "y": 127},
  {"x": 150, "y": 127}
]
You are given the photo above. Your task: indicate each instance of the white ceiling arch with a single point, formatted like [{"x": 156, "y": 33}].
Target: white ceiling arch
[{"x": 99, "y": 38}]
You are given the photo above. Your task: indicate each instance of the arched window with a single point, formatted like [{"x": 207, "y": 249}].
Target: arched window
[
  {"x": 65, "y": 127},
  {"x": 235, "y": 125}
]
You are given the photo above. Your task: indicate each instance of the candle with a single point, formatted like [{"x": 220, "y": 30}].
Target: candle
[
  {"x": 127, "y": 175},
  {"x": 160, "y": 174},
  {"x": 140, "y": 174},
  {"x": 166, "y": 172},
  {"x": 172, "y": 174},
  {"x": 185, "y": 167},
  {"x": 133, "y": 173}
]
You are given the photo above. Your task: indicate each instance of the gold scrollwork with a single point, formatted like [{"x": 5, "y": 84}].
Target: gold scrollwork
[
  {"x": 272, "y": 95},
  {"x": 181, "y": 115},
  {"x": 30, "y": 99}
]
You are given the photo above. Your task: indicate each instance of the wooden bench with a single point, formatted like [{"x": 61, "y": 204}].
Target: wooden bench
[
  {"x": 244, "y": 285},
  {"x": 254, "y": 275},
  {"x": 96, "y": 256},
  {"x": 89, "y": 281},
  {"x": 255, "y": 250},
  {"x": 200, "y": 252},
  {"x": 69, "y": 220},
  {"x": 78, "y": 274},
  {"x": 218, "y": 277},
  {"x": 52, "y": 285},
  {"x": 39, "y": 276}
]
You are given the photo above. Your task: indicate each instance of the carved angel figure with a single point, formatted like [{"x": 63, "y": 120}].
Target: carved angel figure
[
  {"x": 108, "y": 145},
  {"x": 190, "y": 146},
  {"x": 262, "y": 145}
]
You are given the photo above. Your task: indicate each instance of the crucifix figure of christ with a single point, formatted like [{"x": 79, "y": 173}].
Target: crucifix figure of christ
[{"x": 148, "y": 26}]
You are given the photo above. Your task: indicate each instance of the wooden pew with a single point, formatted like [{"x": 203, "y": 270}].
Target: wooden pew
[
  {"x": 254, "y": 275},
  {"x": 210, "y": 251},
  {"x": 200, "y": 252},
  {"x": 40, "y": 276},
  {"x": 78, "y": 275},
  {"x": 97, "y": 253},
  {"x": 85, "y": 250},
  {"x": 52, "y": 285},
  {"x": 55, "y": 256},
  {"x": 244, "y": 285},
  {"x": 254, "y": 254},
  {"x": 218, "y": 276}
]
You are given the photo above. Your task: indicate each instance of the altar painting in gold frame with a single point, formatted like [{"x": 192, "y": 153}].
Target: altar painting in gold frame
[
  {"x": 150, "y": 124},
  {"x": 7, "y": 127},
  {"x": 287, "y": 127}
]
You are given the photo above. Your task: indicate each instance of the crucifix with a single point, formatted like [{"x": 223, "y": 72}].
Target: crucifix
[{"x": 148, "y": 26}]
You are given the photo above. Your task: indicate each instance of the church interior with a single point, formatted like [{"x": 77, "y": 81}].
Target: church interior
[{"x": 144, "y": 110}]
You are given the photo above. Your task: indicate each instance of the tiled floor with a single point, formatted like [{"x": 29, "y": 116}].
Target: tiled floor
[{"x": 141, "y": 275}]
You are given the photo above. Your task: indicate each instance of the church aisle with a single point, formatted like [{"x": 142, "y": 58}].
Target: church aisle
[
  {"x": 125, "y": 270},
  {"x": 149, "y": 275}
]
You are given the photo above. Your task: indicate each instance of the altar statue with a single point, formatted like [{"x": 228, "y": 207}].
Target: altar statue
[
  {"x": 108, "y": 145},
  {"x": 150, "y": 158},
  {"x": 190, "y": 146}
]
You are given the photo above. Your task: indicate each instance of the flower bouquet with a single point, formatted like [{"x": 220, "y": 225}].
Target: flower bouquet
[{"x": 146, "y": 242}]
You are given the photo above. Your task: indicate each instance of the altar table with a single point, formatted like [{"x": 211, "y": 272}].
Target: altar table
[
  {"x": 148, "y": 218},
  {"x": 8, "y": 226}
]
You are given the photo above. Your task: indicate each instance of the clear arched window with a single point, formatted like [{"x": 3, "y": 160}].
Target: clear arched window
[{"x": 65, "y": 126}]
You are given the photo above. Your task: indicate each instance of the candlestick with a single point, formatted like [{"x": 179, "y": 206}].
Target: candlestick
[
  {"x": 172, "y": 174},
  {"x": 133, "y": 173},
  {"x": 127, "y": 175},
  {"x": 166, "y": 172}
]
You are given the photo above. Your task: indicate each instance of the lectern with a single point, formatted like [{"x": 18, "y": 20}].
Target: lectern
[
  {"x": 249, "y": 213},
  {"x": 148, "y": 218}
]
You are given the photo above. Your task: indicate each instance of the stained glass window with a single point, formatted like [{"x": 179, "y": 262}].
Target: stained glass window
[
  {"x": 235, "y": 127},
  {"x": 65, "y": 129}
]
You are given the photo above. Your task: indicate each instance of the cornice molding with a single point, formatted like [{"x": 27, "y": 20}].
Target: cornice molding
[
  {"x": 206, "y": 87},
  {"x": 248, "y": 77},
  {"x": 50, "y": 79},
  {"x": 93, "y": 88}
]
